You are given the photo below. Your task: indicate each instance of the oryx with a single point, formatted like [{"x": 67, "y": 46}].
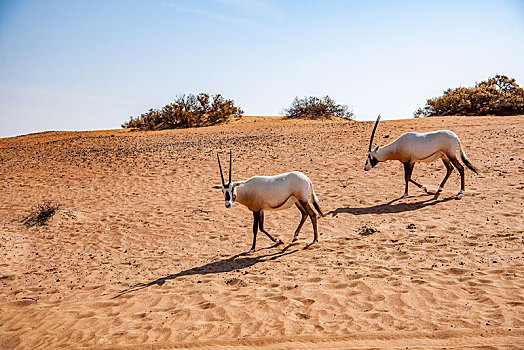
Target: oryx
[
  {"x": 261, "y": 193},
  {"x": 413, "y": 147}
]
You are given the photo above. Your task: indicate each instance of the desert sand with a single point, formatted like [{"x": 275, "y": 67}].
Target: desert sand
[{"x": 143, "y": 254}]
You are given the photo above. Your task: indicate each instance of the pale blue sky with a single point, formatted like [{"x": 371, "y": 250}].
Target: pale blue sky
[{"x": 77, "y": 65}]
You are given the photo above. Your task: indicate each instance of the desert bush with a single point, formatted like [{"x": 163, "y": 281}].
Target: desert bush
[
  {"x": 40, "y": 214},
  {"x": 187, "y": 111},
  {"x": 499, "y": 95},
  {"x": 317, "y": 108}
]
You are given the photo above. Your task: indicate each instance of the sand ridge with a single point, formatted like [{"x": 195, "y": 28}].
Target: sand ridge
[{"x": 143, "y": 253}]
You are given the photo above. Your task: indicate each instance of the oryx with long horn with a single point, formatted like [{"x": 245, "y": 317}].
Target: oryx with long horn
[
  {"x": 261, "y": 193},
  {"x": 413, "y": 147}
]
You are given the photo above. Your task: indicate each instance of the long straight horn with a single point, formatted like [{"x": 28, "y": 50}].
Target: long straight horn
[
  {"x": 221, "y": 174},
  {"x": 230, "y": 161},
  {"x": 373, "y": 134}
]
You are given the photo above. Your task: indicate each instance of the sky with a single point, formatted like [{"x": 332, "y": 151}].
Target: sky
[{"x": 85, "y": 65}]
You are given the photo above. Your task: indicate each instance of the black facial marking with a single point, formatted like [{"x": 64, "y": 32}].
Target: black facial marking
[
  {"x": 373, "y": 161},
  {"x": 227, "y": 195}
]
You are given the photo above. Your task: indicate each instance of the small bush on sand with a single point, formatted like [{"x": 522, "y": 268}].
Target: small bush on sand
[
  {"x": 40, "y": 215},
  {"x": 366, "y": 231},
  {"x": 496, "y": 96},
  {"x": 317, "y": 108},
  {"x": 187, "y": 111}
]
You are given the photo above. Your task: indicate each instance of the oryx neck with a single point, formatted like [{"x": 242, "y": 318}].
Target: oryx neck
[
  {"x": 387, "y": 152},
  {"x": 240, "y": 194}
]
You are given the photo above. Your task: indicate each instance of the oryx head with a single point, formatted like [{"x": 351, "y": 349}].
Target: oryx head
[
  {"x": 229, "y": 188},
  {"x": 372, "y": 160}
]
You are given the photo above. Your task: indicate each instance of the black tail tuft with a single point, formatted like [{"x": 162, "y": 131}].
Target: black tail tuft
[
  {"x": 468, "y": 164},
  {"x": 315, "y": 204}
]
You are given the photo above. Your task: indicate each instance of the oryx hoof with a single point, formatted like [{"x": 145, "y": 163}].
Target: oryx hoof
[
  {"x": 295, "y": 239},
  {"x": 404, "y": 195},
  {"x": 279, "y": 241},
  {"x": 250, "y": 251},
  {"x": 425, "y": 189}
]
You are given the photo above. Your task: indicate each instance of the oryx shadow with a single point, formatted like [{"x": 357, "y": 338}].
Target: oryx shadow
[
  {"x": 236, "y": 262},
  {"x": 390, "y": 207}
]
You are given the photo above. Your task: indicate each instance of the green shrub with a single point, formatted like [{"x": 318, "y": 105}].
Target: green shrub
[
  {"x": 186, "y": 112},
  {"x": 496, "y": 96},
  {"x": 317, "y": 108}
]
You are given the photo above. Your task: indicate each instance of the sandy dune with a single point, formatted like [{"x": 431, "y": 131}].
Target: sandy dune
[{"x": 143, "y": 253}]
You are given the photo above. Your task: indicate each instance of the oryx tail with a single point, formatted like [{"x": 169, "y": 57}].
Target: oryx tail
[
  {"x": 465, "y": 160},
  {"x": 314, "y": 199}
]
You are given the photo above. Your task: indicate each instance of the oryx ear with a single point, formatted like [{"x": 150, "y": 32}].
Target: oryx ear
[
  {"x": 217, "y": 186},
  {"x": 375, "y": 149}
]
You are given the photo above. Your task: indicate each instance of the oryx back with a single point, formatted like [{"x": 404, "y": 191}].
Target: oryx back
[
  {"x": 274, "y": 192},
  {"x": 426, "y": 147}
]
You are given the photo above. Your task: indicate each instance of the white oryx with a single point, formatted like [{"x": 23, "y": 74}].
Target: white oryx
[
  {"x": 277, "y": 192},
  {"x": 413, "y": 147}
]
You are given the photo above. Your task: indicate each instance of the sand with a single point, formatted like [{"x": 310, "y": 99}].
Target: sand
[{"x": 143, "y": 254}]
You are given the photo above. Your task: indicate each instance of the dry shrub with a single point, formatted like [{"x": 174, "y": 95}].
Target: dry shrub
[
  {"x": 40, "y": 214},
  {"x": 496, "y": 96},
  {"x": 317, "y": 108},
  {"x": 187, "y": 111},
  {"x": 366, "y": 231}
]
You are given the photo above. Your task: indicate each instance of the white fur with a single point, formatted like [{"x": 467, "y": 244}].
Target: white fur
[
  {"x": 272, "y": 192},
  {"x": 418, "y": 147}
]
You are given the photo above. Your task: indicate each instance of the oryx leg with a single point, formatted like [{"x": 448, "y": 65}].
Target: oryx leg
[
  {"x": 418, "y": 185},
  {"x": 414, "y": 182},
  {"x": 408, "y": 169},
  {"x": 408, "y": 174},
  {"x": 304, "y": 217},
  {"x": 449, "y": 169},
  {"x": 261, "y": 226},
  {"x": 460, "y": 168},
  {"x": 256, "y": 221},
  {"x": 305, "y": 205}
]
